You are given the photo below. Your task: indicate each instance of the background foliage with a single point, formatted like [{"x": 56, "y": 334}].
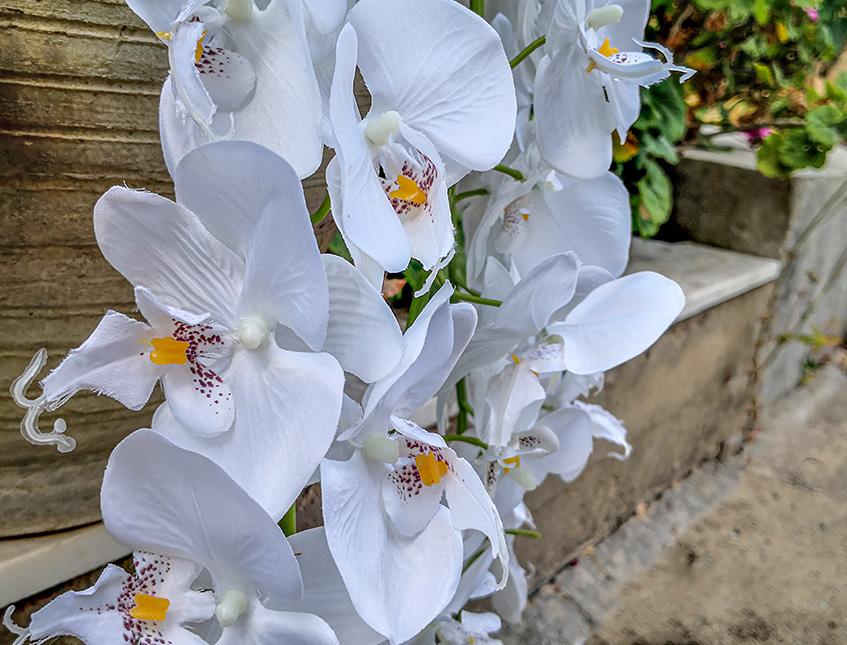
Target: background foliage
[{"x": 771, "y": 69}]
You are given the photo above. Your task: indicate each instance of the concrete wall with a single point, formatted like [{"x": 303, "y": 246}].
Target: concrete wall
[
  {"x": 721, "y": 200},
  {"x": 683, "y": 401}
]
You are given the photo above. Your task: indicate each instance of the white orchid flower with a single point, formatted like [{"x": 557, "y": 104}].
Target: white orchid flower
[
  {"x": 443, "y": 103},
  {"x": 397, "y": 547},
  {"x": 226, "y": 81},
  {"x": 587, "y": 84},
  {"x": 216, "y": 274},
  {"x": 153, "y": 604},
  {"x": 183, "y": 508},
  {"x": 590, "y": 322},
  {"x": 528, "y": 307},
  {"x": 524, "y": 223}
]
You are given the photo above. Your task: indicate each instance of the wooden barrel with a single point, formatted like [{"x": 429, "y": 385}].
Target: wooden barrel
[{"x": 79, "y": 91}]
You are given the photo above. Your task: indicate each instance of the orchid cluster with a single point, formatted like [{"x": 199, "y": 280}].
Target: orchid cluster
[{"x": 484, "y": 160}]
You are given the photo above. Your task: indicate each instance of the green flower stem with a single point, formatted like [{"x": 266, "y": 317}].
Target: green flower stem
[
  {"x": 524, "y": 532},
  {"x": 323, "y": 210},
  {"x": 464, "y": 407},
  {"x": 473, "y": 558},
  {"x": 474, "y": 441},
  {"x": 477, "y": 300},
  {"x": 535, "y": 44},
  {"x": 478, "y": 7},
  {"x": 288, "y": 523},
  {"x": 517, "y": 175},
  {"x": 470, "y": 193}
]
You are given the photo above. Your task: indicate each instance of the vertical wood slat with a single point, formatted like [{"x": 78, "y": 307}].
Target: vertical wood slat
[{"x": 79, "y": 90}]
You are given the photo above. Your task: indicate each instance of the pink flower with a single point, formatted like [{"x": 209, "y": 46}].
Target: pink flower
[{"x": 814, "y": 14}]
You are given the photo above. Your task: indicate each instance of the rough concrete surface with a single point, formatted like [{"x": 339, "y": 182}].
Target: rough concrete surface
[
  {"x": 685, "y": 400},
  {"x": 752, "y": 550}
]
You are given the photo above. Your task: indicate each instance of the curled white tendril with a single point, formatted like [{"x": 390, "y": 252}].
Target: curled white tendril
[
  {"x": 34, "y": 408},
  {"x": 22, "y": 635}
]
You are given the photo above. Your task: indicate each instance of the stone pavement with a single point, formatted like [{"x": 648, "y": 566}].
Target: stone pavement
[{"x": 750, "y": 550}]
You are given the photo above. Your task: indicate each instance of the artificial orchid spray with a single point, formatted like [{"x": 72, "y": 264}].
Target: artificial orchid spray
[{"x": 483, "y": 159}]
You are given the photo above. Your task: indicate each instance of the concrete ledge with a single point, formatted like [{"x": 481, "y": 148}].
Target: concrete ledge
[{"x": 708, "y": 276}]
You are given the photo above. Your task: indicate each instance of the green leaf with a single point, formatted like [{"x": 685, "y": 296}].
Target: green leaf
[
  {"x": 659, "y": 147},
  {"x": 797, "y": 150},
  {"x": 821, "y": 123},
  {"x": 762, "y": 11},
  {"x": 653, "y": 207},
  {"x": 415, "y": 275},
  {"x": 339, "y": 248},
  {"x": 763, "y": 73},
  {"x": 768, "y": 159}
]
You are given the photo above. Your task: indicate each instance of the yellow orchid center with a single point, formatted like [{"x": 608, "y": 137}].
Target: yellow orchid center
[
  {"x": 198, "y": 50},
  {"x": 606, "y": 50},
  {"x": 165, "y": 35},
  {"x": 149, "y": 607},
  {"x": 514, "y": 462},
  {"x": 169, "y": 351},
  {"x": 430, "y": 468},
  {"x": 409, "y": 191}
]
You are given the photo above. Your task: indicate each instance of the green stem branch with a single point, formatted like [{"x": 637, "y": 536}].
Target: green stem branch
[
  {"x": 535, "y": 44},
  {"x": 478, "y": 7},
  {"x": 470, "y": 193},
  {"x": 515, "y": 174},
  {"x": 477, "y": 300},
  {"x": 462, "y": 400},
  {"x": 524, "y": 532},
  {"x": 323, "y": 210},
  {"x": 474, "y": 441},
  {"x": 288, "y": 523}
]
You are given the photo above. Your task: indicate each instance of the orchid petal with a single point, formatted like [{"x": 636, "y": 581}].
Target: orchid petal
[
  {"x": 112, "y": 361},
  {"x": 572, "y": 427},
  {"x": 397, "y": 584},
  {"x": 324, "y": 592},
  {"x": 592, "y": 218},
  {"x": 364, "y": 214},
  {"x": 608, "y": 427},
  {"x": 160, "y": 15},
  {"x": 187, "y": 85},
  {"x": 262, "y": 626},
  {"x": 363, "y": 333},
  {"x": 143, "y": 506},
  {"x": 448, "y": 76},
  {"x": 288, "y": 404},
  {"x": 574, "y": 120},
  {"x": 472, "y": 508},
  {"x": 618, "y": 321},
  {"x": 285, "y": 111},
  {"x": 158, "y": 244}
]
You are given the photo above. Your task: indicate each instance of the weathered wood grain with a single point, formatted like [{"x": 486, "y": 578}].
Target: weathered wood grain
[{"x": 79, "y": 91}]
